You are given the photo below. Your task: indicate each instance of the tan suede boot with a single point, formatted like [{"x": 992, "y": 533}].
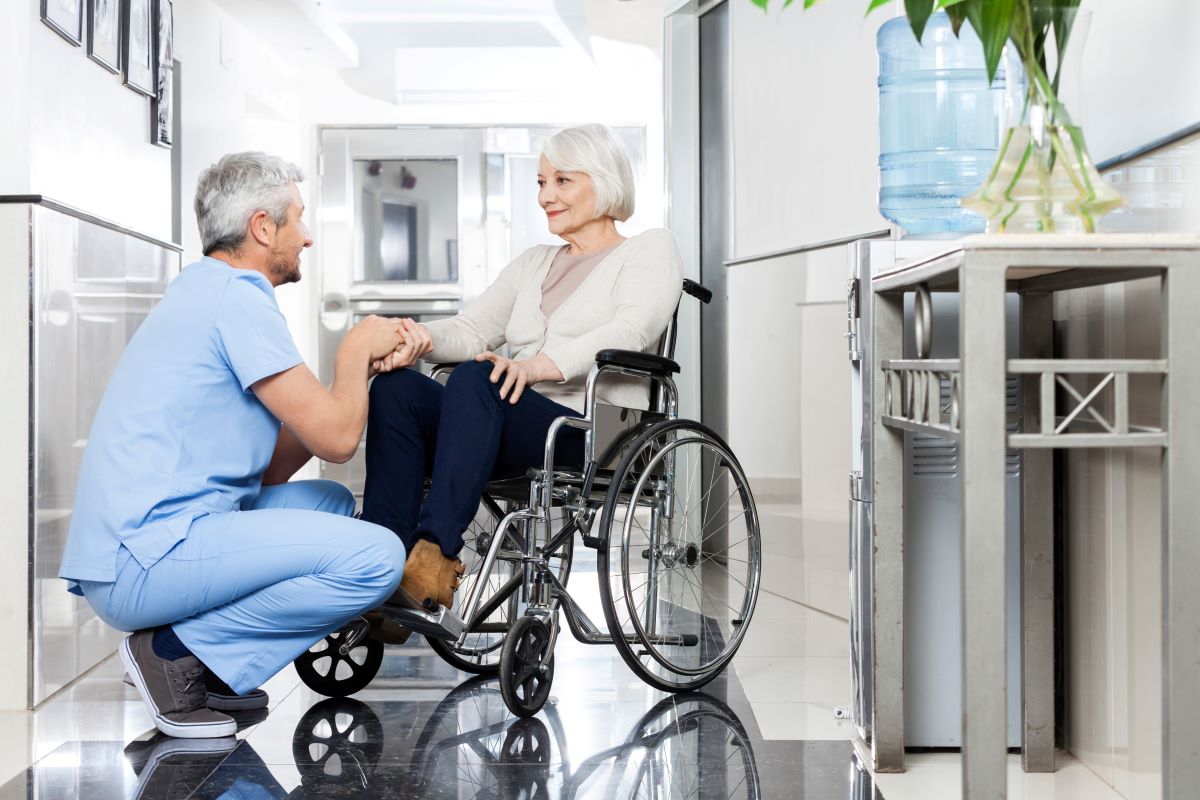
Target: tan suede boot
[
  {"x": 430, "y": 578},
  {"x": 384, "y": 629}
]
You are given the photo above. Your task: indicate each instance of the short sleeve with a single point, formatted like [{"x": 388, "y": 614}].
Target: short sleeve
[{"x": 253, "y": 333}]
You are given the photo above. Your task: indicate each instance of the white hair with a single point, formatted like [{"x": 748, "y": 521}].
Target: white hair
[
  {"x": 237, "y": 187},
  {"x": 596, "y": 151}
]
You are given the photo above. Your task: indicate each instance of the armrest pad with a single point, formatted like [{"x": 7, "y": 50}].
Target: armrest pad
[{"x": 632, "y": 359}]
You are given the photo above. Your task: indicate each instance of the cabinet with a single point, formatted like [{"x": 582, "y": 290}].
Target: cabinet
[{"x": 75, "y": 288}]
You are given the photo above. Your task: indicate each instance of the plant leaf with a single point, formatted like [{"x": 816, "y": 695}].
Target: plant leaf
[
  {"x": 761, "y": 4},
  {"x": 876, "y": 4},
  {"x": 993, "y": 21},
  {"x": 918, "y": 15},
  {"x": 1064, "y": 12},
  {"x": 957, "y": 14},
  {"x": 947, "y": 3}
]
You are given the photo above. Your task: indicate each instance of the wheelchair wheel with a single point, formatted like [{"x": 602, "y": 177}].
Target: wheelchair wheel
[
  {"x": 680, "y": 564},
  {"x": 326, "y": 671},
  {"x": 479, "y": 652},
  {"x": 524, "y": 685}
]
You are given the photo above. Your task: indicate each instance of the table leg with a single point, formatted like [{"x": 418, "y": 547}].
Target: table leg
[
  {"x": 1037, "y": 549},
  {"x": 982, "y": 454},
  {"x": 1181, "y": 541},
  {"x": 887, "y": 596}
]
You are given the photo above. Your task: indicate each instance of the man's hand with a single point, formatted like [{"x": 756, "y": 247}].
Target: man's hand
[
  {"x": 379, "y": 336},
  {"x": 520, "y": 373}
]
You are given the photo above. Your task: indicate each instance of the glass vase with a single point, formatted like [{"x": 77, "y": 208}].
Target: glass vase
[{"x": 1043, "y": 180}]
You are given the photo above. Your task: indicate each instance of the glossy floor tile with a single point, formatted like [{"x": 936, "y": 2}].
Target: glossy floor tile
[{"x": 424, "y": 730}]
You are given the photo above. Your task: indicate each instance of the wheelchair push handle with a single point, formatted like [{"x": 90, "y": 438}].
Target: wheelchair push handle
[{"x": 698, "y": 291}]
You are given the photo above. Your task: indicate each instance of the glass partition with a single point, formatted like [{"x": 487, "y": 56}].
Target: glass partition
[{"x": 407, "y": 220}]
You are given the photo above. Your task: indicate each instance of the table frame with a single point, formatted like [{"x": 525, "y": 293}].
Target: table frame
[{"x": 982, "y": 269}]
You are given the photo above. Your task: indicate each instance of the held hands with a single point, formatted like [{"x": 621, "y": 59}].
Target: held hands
[
  {"x": 389, "y": 343},
  {"x": 520, "y": 373},
  {"x": 415, "y": 342}
]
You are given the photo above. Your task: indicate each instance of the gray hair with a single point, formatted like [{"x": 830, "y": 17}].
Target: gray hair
[
  {"x": 234, "y": 189},
  {"x": 596, "y": 150}
]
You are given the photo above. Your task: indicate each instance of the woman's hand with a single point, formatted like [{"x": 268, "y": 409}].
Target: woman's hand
[{"x": 520, "y": 373}]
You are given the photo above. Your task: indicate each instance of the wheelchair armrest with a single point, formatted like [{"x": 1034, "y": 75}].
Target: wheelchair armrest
[{"x": 632, "y": 359}]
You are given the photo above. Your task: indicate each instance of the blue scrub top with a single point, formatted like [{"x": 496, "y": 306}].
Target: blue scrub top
[{"x": 179, "y": 434}]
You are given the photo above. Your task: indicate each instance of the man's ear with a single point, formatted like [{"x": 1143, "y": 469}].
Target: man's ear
[{"x": 262, "y": 228}]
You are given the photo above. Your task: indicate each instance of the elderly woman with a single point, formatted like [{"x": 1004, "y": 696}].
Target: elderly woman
[{"x": 555, "y": 307}]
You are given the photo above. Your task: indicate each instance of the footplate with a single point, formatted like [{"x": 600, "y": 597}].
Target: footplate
[{"x": 440, "y": 624}]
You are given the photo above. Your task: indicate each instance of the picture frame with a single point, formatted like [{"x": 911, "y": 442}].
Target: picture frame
[
  {"x": 162, "y": 103},
  {"x": 64, "y": 17},
  {"x": 137, "y": 46},
  {"x": 104, "y": 33}
]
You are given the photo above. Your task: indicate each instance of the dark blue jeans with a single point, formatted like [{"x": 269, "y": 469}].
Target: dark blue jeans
[{"x": 461, "y": 436}]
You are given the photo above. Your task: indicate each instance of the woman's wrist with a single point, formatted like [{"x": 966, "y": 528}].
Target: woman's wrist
[{"x": 546, "y": 369}]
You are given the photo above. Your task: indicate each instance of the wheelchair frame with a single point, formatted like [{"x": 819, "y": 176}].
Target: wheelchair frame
[{"x": 580, "y": 494}]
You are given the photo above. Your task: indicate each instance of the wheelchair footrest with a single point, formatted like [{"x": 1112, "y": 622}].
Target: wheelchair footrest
[
  {"x": 440, "y": 624},
  {"x": 594, "y": 542}
]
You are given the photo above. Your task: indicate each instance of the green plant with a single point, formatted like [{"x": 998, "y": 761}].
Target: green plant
[{"x": 1029, "y": 24}]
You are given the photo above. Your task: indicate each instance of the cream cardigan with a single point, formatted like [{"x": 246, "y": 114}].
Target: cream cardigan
[{"x": 625, "y": 303}]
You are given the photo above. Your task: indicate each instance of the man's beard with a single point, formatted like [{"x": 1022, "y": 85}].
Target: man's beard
[{"x": 285, "y": 269}]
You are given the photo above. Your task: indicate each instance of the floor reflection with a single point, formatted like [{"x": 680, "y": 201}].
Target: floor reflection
[{"x": 465, "y": 746}]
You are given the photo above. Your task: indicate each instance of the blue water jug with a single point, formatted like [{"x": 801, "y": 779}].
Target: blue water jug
[{"x": 939, "y": 125}]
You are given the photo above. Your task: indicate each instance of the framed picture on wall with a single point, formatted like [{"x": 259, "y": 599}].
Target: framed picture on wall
[
  {"x": 65, "y": 17},
  {"x": 164, "y": 74},
  {"x": 104, "y": 33},
  {"x": 137, "y": 46}
]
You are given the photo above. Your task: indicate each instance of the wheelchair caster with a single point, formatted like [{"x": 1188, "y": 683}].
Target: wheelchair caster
[
  {"x": 325, "y": 669},
  {"x": 524, "y": 683}
]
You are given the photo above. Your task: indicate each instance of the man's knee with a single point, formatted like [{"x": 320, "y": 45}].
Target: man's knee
[
  {"x": 336, "y": 498},
  {"x": 383, "y": 560}
]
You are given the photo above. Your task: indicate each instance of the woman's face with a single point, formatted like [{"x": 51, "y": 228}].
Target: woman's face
[{"x": 567, "y": 198}]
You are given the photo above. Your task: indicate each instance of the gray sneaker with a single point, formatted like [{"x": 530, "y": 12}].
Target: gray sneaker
[
  {"x": 173, "y": 691},
  {"x": 222, "y": 698}
]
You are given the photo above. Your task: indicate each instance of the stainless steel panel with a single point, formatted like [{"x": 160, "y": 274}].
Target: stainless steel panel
[
  {"x": 92, "y": 287},
  {"x": 715, "y": 213}
]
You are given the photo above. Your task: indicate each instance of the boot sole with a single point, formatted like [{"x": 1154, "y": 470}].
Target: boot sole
[{"x": 195, "y": 730}]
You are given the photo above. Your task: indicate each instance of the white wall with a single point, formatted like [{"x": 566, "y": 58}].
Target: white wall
[
  {"x": 1140, "y": 68},
  {"x": 72, "y": 132}
]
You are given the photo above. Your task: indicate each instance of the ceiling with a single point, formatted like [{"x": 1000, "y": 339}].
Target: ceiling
[{"x": 405, "y": 51}]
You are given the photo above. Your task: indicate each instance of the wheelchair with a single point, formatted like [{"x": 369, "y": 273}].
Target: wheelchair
[{"x": 666, "y": 506}]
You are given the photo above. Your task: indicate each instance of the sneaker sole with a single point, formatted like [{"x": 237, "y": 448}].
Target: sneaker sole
[
  {"x": 202, "y": 730},
  {"x": 235, "y": 702},
  {"x": 223, "y": 702}
]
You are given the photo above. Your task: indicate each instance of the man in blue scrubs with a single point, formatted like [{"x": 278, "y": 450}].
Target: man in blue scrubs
[{"x": 185, "y": 529}]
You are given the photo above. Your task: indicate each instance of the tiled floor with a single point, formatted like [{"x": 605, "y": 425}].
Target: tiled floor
[{"x": 765, "y": 729}]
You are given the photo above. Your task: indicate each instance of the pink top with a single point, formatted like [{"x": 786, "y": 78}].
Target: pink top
[{"x": 565, "y": 274}]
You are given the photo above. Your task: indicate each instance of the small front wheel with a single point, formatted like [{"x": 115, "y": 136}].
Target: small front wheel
[
  {"x": 325, "y": 670},
  {"x": 524, "y": 682}
]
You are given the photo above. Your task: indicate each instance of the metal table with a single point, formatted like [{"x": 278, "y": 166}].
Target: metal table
[{"x": 909, "y": 397}]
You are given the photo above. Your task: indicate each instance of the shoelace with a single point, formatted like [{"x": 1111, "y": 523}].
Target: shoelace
[{"x": 192, "y": 694}]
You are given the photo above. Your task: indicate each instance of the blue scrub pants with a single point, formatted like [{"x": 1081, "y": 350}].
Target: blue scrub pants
[
  {"x": 249, "y": 591},
  {"x": 461, "y": 436}
]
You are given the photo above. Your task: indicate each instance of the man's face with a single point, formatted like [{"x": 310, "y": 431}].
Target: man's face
[{"x": 290, "y": 239}]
